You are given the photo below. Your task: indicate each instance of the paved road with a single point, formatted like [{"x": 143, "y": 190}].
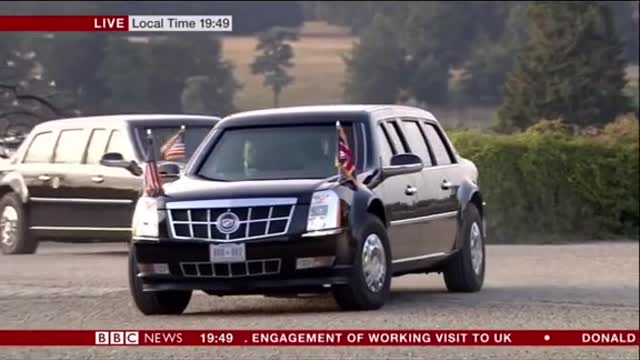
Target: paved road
[{"x": 83, "y": 286}]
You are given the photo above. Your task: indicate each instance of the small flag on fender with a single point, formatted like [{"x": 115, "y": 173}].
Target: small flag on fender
[
  {"x": 345, "y": 163},
  {"x": 152, "y": 183}
]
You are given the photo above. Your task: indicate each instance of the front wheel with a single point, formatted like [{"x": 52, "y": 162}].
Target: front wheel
[
  {"x": 465, "y": 271},
  {"x": 14, "y": 234},
  {"x": 370, "y": 278},
  {"x": 171, "y": 302}
]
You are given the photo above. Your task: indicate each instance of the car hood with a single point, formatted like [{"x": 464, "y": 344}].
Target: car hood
[{"x": 189, "y": 189}]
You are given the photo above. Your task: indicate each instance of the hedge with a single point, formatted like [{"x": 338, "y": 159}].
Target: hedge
[{"x": 550, "y": 186}]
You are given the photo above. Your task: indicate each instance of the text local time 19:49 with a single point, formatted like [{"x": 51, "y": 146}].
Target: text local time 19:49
[
  {"x": 319, "y": 338},
  {"x": 118, "y": 23}
]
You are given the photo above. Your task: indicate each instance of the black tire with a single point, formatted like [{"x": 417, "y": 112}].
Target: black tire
[
  {"x": 459, "y": 273},
  {"x": 171, "y": 302},
  {"x": 21, "y": 242},
  {"x": 356, "y": 295}
]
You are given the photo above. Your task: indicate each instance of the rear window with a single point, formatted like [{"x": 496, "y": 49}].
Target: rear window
[
  {"x": 163, "y": 136},
  {"x": 438, "y": 145}
]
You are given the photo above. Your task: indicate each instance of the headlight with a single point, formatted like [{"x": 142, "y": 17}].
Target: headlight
[
  {"x": 324, "y": 211},
  {"x": 146, "y": 218}
]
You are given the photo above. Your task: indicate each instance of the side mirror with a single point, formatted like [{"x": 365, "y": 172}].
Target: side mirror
[
  {"x": 169, "y": 171},
  {"x": 403, "y": 164},
  {"x": 117, "y": 160}
]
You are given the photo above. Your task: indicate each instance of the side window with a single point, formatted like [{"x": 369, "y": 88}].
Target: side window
[
  {"x": 437, "y": 144},
  {"x": 40, "y": 149},
  {"x": 394, "y": 136},
  {"x": 385, "y": 147},
  {"x": 70, "y": 147},
  {"x": 416, "y": 141},
  {"x": 97, "y": 145},
  {"x": 118, "y": 143}
]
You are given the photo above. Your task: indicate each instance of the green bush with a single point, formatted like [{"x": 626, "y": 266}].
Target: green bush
[{"x": 547, "y": 184}]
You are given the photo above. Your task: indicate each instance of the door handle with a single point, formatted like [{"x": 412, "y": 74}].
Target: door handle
[
  {"x": 97, "y": 179},
  {"x": 446, "y": 185},
  {"x": 44, "y": 177},
  {"x": 411, "y": 190}
]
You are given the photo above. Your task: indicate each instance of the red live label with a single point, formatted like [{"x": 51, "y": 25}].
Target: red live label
[{"x": 110, "y": 23}]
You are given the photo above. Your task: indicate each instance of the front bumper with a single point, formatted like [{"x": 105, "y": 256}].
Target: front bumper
[{"x": 183, "y": 257}]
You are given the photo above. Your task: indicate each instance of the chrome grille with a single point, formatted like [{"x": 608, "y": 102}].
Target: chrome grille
[
  {"x": 256, "y": 218},
  {"x": 230, "y": 270}
]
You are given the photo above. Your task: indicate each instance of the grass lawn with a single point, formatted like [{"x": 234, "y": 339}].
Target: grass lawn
[{"x": 318, "y": 68}]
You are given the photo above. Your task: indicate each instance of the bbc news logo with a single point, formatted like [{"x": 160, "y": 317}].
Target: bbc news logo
[{"x": 117, "y": 337}]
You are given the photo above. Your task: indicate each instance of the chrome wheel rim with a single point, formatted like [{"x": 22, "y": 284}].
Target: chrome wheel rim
[
  {"x": 475, "y": 237},
  {"x": 374, "y": 265},
  {"x": 9, "y": 225}
]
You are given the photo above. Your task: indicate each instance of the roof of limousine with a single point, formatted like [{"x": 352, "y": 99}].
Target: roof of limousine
[
  {"x": 121, "y": 119},
  {"x": 321, "y": 113}
]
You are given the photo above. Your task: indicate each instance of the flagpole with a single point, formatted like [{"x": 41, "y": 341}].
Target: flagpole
[
  {"x": 150, "y": 152},
  {"x": 338, "y": 150}
]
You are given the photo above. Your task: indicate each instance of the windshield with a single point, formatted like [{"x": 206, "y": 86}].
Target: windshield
[
  {"x": 271, "y": 153},
  {"x": 164, "y": 137}
]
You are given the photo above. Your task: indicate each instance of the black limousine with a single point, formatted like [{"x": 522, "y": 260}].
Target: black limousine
[
  {"x": 55, "y": 188},
  {"x": 265, "y": 207}
]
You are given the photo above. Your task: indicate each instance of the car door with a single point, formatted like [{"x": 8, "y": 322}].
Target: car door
[
  {"x": 427, "y": 243},
  {"x": 400, "y": 194},
  {"x": 443, "y": 179},
  {"x": 69, "y": 210},
  {"x": 114, "y": 190},
  {"x": 37, "y": 171}
]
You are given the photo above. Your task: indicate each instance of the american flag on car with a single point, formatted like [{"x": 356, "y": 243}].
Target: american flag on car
[
  {"x": 175, "y": 149},
  {"x": 152, "y": 182},
  {"x": 346, "y": 163}
]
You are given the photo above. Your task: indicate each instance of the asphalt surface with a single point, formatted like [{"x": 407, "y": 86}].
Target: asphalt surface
[{"x": 84, "y": 286}]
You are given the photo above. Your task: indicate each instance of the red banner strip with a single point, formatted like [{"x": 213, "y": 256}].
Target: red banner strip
[
  {"x": 319, "y": 338},
  {"x": 64, "y": 23}
]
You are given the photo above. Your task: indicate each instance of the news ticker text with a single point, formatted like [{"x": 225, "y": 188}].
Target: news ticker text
[{"x": 319, "y": 338}]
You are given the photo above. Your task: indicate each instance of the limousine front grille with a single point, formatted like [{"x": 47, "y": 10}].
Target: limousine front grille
[
  {"x": 230, "y": 270},
  {"x": 253, "y": 218}
]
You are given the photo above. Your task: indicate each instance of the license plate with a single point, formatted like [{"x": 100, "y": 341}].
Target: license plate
[{"x": 226, "y": 253}]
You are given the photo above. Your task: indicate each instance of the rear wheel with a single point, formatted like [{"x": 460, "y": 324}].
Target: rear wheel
[
  {"x": 370, "y": 278},
  {"x": 465, "y": 271},
  {"x": 14, "y": 235},
  {"x": 171, "y": 302}
]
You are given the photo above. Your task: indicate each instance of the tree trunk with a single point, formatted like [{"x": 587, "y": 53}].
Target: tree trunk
[{"x": 276, "y": 98}]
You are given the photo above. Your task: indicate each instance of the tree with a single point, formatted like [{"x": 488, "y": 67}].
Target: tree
[
  {"x": 356, "y": 15},
  {"x": 26, "y": 96},
  {"x": 492, "y": 56},
  {"x": 376, "y": 67},
  {"x": 125, "y": 77},
  {"x": 411, "y": 47},
  {"x": 571, "y": 69},
  {"x": 73, "y": 61},
  {"x": 176, "y": 58},
  {"x": 274, "y": 59},
  {"x": 205, "y": 95},
  {"x": 625, "y": 15}
]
